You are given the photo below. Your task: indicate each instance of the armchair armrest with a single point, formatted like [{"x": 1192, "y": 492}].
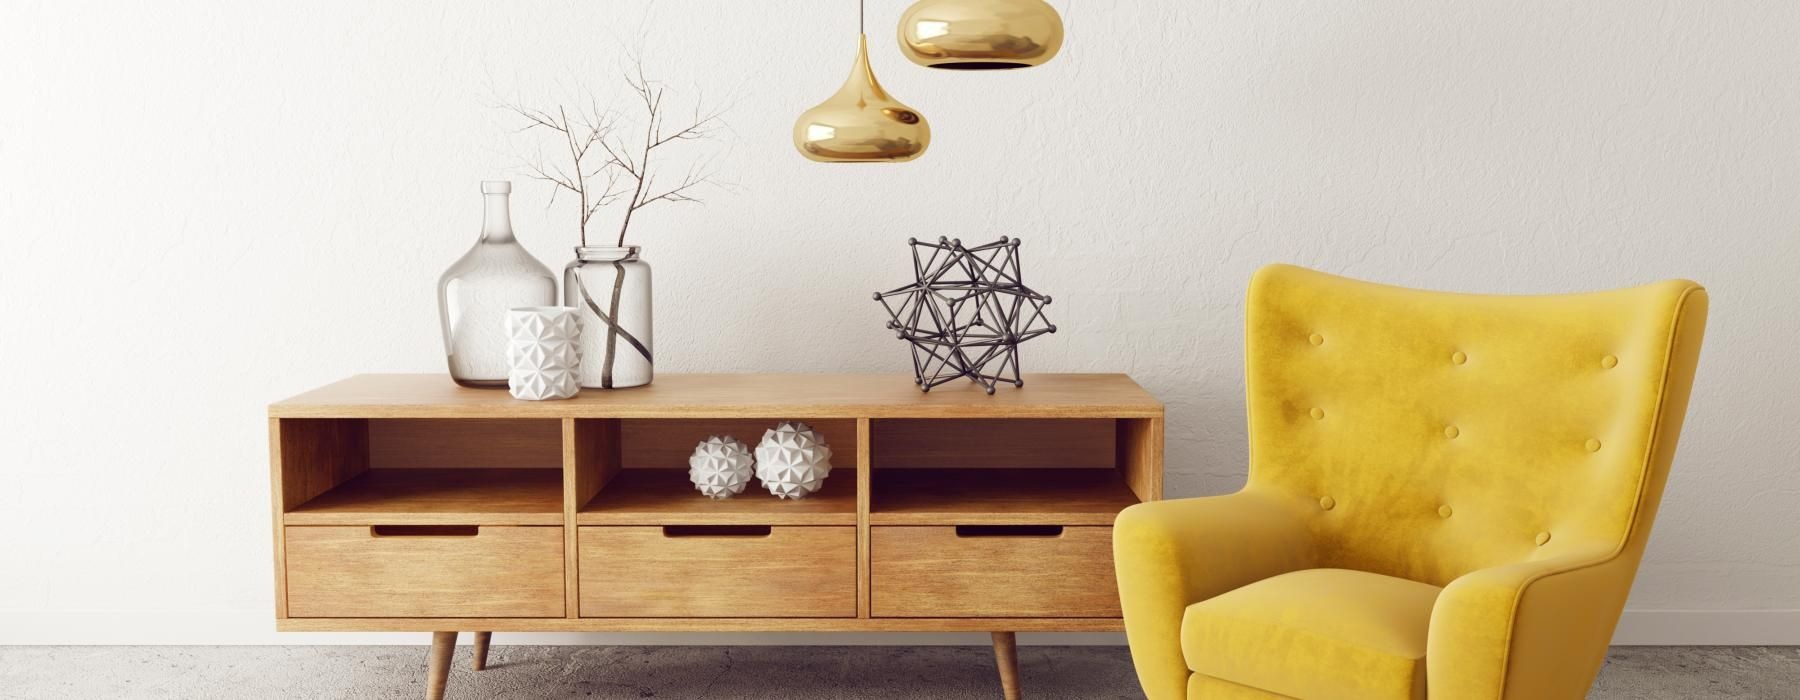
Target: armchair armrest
[
  {"x": 1172, "y": 554},
  {"x": 1530, "y": 629}
]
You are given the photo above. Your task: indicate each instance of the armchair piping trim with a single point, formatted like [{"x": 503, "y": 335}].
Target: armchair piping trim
[{"x": 1656, "y": 438}]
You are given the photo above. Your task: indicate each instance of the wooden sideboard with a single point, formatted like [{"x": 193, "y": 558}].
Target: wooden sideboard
[{"x": 407, "y": 503}]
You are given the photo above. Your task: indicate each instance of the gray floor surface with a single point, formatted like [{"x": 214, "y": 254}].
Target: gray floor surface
[{"x": 789, "y": 673}]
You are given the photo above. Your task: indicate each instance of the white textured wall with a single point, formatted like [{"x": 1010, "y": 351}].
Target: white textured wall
[{"x": 207, "y": 208}]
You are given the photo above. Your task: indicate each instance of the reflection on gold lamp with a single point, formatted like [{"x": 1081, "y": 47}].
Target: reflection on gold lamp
[
  {"x": 980, "y": 34},
  {"x": 861, "y": 123}
]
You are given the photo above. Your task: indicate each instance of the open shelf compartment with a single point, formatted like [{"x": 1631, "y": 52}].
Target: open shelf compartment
[
  {"x": 357, "y": 471},
  {"x": 662, "y": 496},
  {"x": 634, "y": 472},
  {"x": 1006, "y": 471},
  {"x": 439, "y": 497},
  {"x": 998, "y": 497}
]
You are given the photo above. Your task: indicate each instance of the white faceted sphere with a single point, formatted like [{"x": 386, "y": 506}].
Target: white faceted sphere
[
  {"x": 793, "y": 460},
  {"x": 720, "y": 467}
]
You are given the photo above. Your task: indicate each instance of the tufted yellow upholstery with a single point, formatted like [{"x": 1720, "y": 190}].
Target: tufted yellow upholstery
[{"x": 1508, "y": 450}]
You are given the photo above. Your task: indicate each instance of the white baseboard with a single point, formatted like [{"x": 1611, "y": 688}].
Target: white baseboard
[
  {"x": 257, "y": 627},
  {"x": 1708, "y": 628}
]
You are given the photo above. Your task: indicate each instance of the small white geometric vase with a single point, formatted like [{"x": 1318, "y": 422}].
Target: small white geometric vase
[
  {"x": 792, "y": 460},
  {"x": 543, "y": 352},
  {"x": 720, "y": 467}
]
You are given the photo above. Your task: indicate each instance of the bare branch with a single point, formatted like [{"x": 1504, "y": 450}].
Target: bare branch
[
  {"x": 680, "y": 193},
  {"x": 537, "y": 173},
  {"x": 537, "y": 119},
  {"x": 627, "y": 173},
  {"x": 620, "y": 157}
]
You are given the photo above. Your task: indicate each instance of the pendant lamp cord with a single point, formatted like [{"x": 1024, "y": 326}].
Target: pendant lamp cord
[{"x": 859, "y": 17}]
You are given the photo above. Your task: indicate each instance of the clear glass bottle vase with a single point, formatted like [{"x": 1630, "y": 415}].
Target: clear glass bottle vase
[
  {"x": 611, "y": 286},
  {"x": 476, "y": 292}
]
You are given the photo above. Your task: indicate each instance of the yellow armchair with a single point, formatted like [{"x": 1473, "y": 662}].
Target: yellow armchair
[{"x": 1449, "y": 495}]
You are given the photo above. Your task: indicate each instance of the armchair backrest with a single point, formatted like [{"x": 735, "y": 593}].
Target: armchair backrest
[{"x": 1430, "y": 434}]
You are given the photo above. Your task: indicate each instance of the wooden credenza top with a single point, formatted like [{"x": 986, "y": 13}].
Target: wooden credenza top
[{"x": 734, "y": 396}]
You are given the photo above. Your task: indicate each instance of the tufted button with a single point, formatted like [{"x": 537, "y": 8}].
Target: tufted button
[
  {"x": 1593, "y": 445},
  {"x": 1451, "y": 432},
  {"x": 1327, "y": 503},
  {"x": 1459, "y": 358},
  {"x": 1443, "y": 511},
  {"x": 1316, "y": 339},
  {"x": 1317, "y": 413},
  {"x": 1543, "y": 537},
  {"x": 1609, "y": 362}
]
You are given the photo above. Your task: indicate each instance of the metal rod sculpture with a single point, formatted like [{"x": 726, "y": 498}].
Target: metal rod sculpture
[{"x": 966, "y": 312}]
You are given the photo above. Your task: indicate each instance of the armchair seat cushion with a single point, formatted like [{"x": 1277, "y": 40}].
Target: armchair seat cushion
[{"x": 1315, "y": 633}]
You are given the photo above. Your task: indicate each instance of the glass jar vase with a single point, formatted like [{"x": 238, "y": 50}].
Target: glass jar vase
[
  {"x": 474, "y": 295},
  {"x": 611, "y": 286}
]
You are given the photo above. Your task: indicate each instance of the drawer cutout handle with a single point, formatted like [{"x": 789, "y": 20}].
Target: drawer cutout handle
[
  {"x": 1009, "y": 531},
  {"x": 717, "y": 530},
  {"x": 424, "y": 530}
]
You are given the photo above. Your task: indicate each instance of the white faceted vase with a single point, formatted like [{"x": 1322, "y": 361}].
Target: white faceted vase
[
  {"x": 543, "y": 352},
  {"x": 720, "y": 467},
  {"x": 792, "y": 461}
]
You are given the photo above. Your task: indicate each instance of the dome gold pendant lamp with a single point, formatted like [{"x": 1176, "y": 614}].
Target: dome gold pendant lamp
[
  {"x": 980, "y": 34},
  {"x": 861, "y": 123}
]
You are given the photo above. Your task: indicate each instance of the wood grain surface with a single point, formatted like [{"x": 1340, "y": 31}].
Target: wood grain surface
[
  {"x": 651, "y": 572},
  {"x": 667, "y": 497},
  {"x": 777, "y": 396},
  {"x": 877, "y": 550},
  {"x": 439, "y": 497},
  {"x": 899, "y": 443},
  {"x": 933, "y": 572},
  {"x": 998, "y": 496},
  {"x": 351, "y": 572},
  {"x": 400, "y": 443}
]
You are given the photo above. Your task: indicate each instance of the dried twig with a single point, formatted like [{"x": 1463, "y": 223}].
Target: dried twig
[
  {"x": 700, "y": 126},
  {"x": 579, "y": 136},
  {"x": 627, "y": 170}
]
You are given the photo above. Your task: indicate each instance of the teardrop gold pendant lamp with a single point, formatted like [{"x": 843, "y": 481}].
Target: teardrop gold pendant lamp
[
  {"x": 861, "y": 123},
  {"x": 980, "y": 34}
]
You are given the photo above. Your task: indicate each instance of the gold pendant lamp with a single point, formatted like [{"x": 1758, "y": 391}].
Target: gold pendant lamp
[
  {"x": 980, "y": 34},
  {"x": 861, "y": 123}
]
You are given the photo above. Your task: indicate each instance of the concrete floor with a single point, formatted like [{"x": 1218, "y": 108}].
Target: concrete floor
[{"x": 796, "y": 673}]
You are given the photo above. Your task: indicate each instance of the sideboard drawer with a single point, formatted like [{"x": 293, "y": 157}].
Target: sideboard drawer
[
  {"x": 424, "y": 571},
  {"x": 992, "y": 571},
  {"x": 717, "y": 571}
]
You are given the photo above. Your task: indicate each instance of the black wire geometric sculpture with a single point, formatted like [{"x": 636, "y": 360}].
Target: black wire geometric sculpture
[{"x": 966, "y": 312}]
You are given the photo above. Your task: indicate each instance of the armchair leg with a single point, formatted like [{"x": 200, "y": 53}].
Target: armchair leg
[
  {"x": 443, "y": 646},
  {"x": 481, "y": 648},
  {"x": 1006, "y": 659}
]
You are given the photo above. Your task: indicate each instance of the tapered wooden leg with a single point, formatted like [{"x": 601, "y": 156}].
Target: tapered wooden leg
[
  {"x": 1006, "y": 659},
  {"x": 481, "y": 645},
  {"x": 443, "y": 646}
]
